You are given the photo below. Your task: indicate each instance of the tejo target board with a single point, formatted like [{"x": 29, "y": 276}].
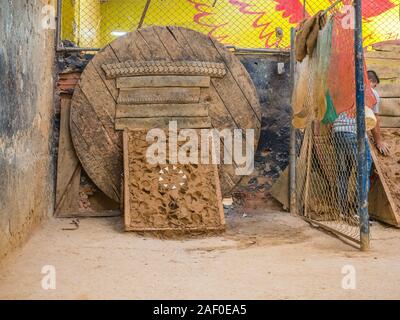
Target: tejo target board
[
  {"x": 163, "y": 197},
  {"x": 219, "y": 83}
]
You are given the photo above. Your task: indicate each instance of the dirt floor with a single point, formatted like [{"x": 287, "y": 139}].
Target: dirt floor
[{"x": 264, "y": 255}]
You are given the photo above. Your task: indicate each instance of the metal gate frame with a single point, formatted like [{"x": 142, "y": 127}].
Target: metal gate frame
[{"x": 362, "y": 174}]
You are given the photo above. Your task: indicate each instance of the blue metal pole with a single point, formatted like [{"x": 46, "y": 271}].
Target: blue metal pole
[
  {"x": 292, "y": 153},
  {"x": 361, "y": 132}
]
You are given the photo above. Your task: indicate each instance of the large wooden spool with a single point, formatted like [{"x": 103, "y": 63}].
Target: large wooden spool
[{"x": 233, "y": 99}]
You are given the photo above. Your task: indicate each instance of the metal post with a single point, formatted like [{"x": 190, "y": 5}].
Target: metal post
[
  {"x": 146, "y": 8},
  {"x": 361, "y": 133},
  {"x": 58, "y": 25},
  {"x": 292, "y": 152}
]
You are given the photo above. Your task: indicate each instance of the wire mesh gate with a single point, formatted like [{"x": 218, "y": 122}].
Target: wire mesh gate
[
  {"x": 326, "y": 181},
  {"x": 92, "y": 24},
  {"x": 329, "y": 168}
]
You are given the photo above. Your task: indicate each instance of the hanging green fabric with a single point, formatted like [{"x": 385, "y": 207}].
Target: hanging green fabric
[
  {"x": 320, "y": 75},
  {"x": 331, "y": 114}
]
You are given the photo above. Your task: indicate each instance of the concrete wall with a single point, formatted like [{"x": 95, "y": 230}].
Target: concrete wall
[{"x": 26, "y": 109}]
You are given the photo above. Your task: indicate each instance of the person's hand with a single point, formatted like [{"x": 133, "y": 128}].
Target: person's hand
[{"x": 383, "y": 148}]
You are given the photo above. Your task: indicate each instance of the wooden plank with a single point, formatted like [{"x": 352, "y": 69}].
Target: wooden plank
[
  {"x": 389, "y": 122},
  {"x": 383, "y": 206},
  {"x": 69, "y": 173},
  {"x": 126, "y": 191},
  {"x": 106, "y": 55},
  {"x": 159, "y": 95},
  {"x": 280, "y": 189},
  {"x": 242, "y": 78},
  {"x": 389, "y": 88},
  {"x": 384, "y": 69},
  {"x": 228, "y": 87},
  {"x": 163, "y": 81},
  {"x": 380, "y": 207},
  {"x": 386, "y": 55},
  {"x": 390, "y": 107},
  {"x": 101, "y": 100},
  {"x": 68, "y": 202},
  {"x": 157, "y": 51},
  {"x": 94, "y": 147},
  {"x": 130, "y": 46},
  {"x": 391, "y": 46},
  {"x": 162, "y": 122},
  {"x": 162, "y": 110},
  {"x": 67, "y": 163},
  {"x": 173, "y": 44}
]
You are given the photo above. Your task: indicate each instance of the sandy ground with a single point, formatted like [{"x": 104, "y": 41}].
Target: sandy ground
[{"x": 266, "y": 255}]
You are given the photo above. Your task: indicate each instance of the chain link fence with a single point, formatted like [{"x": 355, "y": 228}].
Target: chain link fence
[
  {"x": 241, "y": 23},
  {"x": 324, "y": 108}
]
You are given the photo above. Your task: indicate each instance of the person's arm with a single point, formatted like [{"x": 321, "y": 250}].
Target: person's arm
[{"x": 382, "y": 147}]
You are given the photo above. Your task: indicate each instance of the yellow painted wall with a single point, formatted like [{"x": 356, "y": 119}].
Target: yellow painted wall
[
  {"x": 243, "y": 23},
  {"x": 119, "y": 15},
  {"x": 81, "y": 22},
  {"x": 68, "y": 20}
]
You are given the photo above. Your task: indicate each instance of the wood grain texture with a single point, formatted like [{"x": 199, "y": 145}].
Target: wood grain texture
[
  {"x": 159, "y": 95},
  {"x": 163, "y": 81},
  {"x": 380, "y": 207},
  {"x": 69, "y": 191},
  {"x": 68, "y": 166},
  {"x": 99, "y": 154},
  {"x": 162, "y": 110},
  {"x": 162, "y": 123},
  {"x": 127, "y": 178},
  {"x": 386, "y": 62},
  {"x": 390, "y": 107},
  {"x": 233, "y": 99},
  {"x": 389, "y": 88},
  {"x": 382, "y": 199},
  {"x": 388, "y": 46},
  {"x": 382, "y": 55},
  {"x": 386, "y": 69},
  {"x": 389, "y": 122}
]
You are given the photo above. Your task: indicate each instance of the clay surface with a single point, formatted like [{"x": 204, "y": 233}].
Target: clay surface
[
  {"x": 391, "y": 165},
  {"x": 168, "y": 196}
]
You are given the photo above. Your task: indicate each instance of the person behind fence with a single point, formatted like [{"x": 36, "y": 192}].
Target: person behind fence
[
  {"x": 345, "y": 144},
  {"x": 382, "y": 146}
]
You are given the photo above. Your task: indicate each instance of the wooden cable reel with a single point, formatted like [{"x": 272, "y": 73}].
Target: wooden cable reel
[{"x": 232, "y": 99}]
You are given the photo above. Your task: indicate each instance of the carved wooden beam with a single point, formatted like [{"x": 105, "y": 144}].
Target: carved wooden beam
[
  {"x": 136, "y": 68},
  {"x": 158, "y": 95},
  {"x": 163, "y": 81},
  {"x": 162, "y": 110},
  {"x": 162, "y": 122}
]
